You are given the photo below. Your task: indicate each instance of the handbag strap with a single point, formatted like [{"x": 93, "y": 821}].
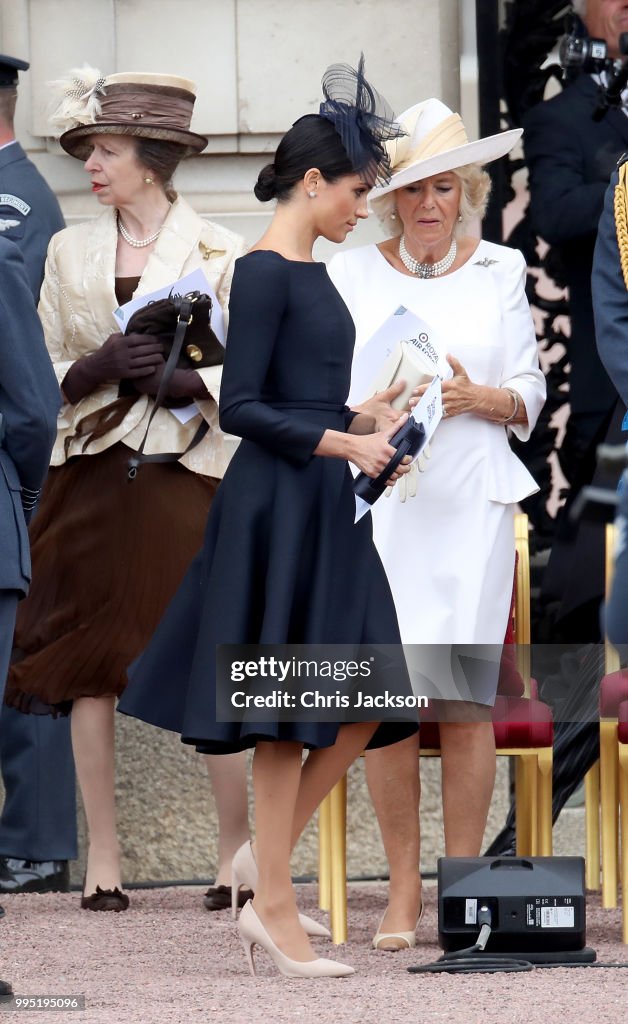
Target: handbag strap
[{"x": 184, "y": 307}]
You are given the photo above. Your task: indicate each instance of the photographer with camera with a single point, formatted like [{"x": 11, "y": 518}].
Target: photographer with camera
[
  {"x": 570, "y": 157},
  {"x": 572, "y": 143}
]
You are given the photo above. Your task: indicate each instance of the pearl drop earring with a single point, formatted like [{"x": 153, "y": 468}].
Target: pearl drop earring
[
  {"x": 393, "y": 215},
  {"x": 148, "y": 181},
  {"x": 460, "y": 218},
  {"x": 312, "y": 194}
]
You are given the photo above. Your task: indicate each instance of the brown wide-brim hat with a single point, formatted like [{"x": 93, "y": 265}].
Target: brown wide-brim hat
[{"x": 138, "y": 104}]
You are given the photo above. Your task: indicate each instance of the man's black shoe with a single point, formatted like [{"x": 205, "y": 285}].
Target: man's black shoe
[
  {"x": 5, "y": 991},
  {"x": 18, "y": 875},
  {"x": 503, "y": 845}
]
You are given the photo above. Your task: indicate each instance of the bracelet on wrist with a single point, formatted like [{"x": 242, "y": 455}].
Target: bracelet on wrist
[{"x": 515, "y": 407}]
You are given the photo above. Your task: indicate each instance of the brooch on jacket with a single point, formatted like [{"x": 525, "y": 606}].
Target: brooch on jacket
[
  {"x": 485, "y": 262},
  {"x": 209, "y": 252}
]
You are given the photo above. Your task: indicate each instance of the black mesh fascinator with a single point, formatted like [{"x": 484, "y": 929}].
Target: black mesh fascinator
[{"x": 363, "y": 119}]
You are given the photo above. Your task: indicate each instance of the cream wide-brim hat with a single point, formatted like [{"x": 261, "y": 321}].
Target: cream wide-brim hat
[{"x": 436, "y": 141}]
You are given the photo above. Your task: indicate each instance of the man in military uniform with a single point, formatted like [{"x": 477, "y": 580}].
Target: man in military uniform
[
  {"x": 38, "y": 821},
  {"x": 609, "y": 281},
  {"x": 29, "y": 403}
]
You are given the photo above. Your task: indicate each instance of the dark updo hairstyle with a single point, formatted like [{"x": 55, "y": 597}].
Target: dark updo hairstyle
[
  {"x": 162, "y": 158},
  {"x": 311, "y": 142}
]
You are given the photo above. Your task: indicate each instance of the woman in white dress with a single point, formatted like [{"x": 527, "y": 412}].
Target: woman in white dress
[{"x": 448, "y": 551}]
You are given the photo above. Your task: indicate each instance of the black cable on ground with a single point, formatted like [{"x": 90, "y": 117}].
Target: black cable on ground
[
  {"x": 483, "y": 964},
  {"x": 473, "y": 959},
  {"x": 486, "y": 964}
]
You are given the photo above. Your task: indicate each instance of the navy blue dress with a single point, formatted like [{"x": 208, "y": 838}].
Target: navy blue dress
[{"x": 282, "y": 561}]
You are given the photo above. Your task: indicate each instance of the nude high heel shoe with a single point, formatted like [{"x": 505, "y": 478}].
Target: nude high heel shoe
[
  {"x": 244, "y": 872},
  {"x": 392, "y": 942},
  {"x": 252, "y": 932}
]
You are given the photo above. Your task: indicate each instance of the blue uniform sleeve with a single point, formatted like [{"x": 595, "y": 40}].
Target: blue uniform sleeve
[
  {"x": 29, "y": 394},
  {"x": 260, "y": 294},
  {"x": 610, "y": 298},
  {"x": 616, "y": 611}
]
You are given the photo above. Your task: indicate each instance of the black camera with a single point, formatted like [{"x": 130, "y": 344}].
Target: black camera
[
  {"x": 580, "y": 53},
  {"x": 577, "y": 53}
]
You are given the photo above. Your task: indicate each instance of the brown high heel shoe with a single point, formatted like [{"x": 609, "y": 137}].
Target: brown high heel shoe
[{"x": 105, "y": 899}]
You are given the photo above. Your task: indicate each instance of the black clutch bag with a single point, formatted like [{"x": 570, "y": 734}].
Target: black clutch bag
[
  {"x": 184, "y": 324},
  {"x": 198, "y": 346},
  {"x": 408, "y": 440}
]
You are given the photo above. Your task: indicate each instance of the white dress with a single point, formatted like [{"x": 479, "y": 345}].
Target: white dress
[{"x": 449, "y": 552}]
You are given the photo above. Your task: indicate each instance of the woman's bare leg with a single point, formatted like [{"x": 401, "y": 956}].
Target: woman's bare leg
[
  {"x": 286, "y": 796},
  {"x": 276, "y": 778},
  {"x": 227, "y": 773},
  {"x": 325, "y": 767},
  {"x": 468, "y": 777},
  {"x": 93, "y": 743},
  {"x": 392, "y": 774}
]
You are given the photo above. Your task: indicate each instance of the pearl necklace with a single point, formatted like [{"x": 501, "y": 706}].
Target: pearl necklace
[
  {"x": 137, "y": 243},
  {"x": 426, "y": 270}
]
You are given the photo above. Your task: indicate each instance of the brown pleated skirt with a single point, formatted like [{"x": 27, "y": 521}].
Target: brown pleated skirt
[{"x": 108, "y": 555}]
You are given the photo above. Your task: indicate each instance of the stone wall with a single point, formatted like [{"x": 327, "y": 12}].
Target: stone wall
[{"x": 257, "y": 65}]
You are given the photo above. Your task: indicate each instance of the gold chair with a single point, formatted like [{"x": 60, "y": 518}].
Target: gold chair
[
  {"x": 533, "y": 777},
  {"x": 623, "y": 806},
  {"x": 602, "y": 781}
]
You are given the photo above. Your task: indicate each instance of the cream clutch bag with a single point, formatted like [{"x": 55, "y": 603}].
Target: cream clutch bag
[{"x": 409, "y": 363}]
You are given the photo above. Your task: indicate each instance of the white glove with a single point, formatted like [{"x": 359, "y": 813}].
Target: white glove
[
  {"x": 407, "y": 484},
  {"x": 423, "y": 459}
]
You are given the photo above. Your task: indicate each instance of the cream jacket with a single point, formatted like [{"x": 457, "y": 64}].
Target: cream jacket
[{"x": 76, "y": 308}]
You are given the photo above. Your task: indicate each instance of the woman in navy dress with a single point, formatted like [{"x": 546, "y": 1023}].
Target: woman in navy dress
[{"x": 283, "y": 561}]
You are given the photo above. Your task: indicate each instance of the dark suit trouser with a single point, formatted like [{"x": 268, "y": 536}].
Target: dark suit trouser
[
  {"x": 8, "y": 608},
  {"x": 576, "y": 743},
  {"x": 38, "y": 820}
]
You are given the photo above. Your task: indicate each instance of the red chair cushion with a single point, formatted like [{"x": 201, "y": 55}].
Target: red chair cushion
[
  {"x": 510, "y": 682},
  {"x": 430, "y": 736},
  {"x": 622, "y": 727},
  {"x": 613, "y": 690},
  {"x": 517, "y": 722},
  {"x": 522, "y": 723}
]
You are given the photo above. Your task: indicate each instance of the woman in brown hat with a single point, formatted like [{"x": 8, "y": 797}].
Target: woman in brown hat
[{"x": 108, "y": 554}]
